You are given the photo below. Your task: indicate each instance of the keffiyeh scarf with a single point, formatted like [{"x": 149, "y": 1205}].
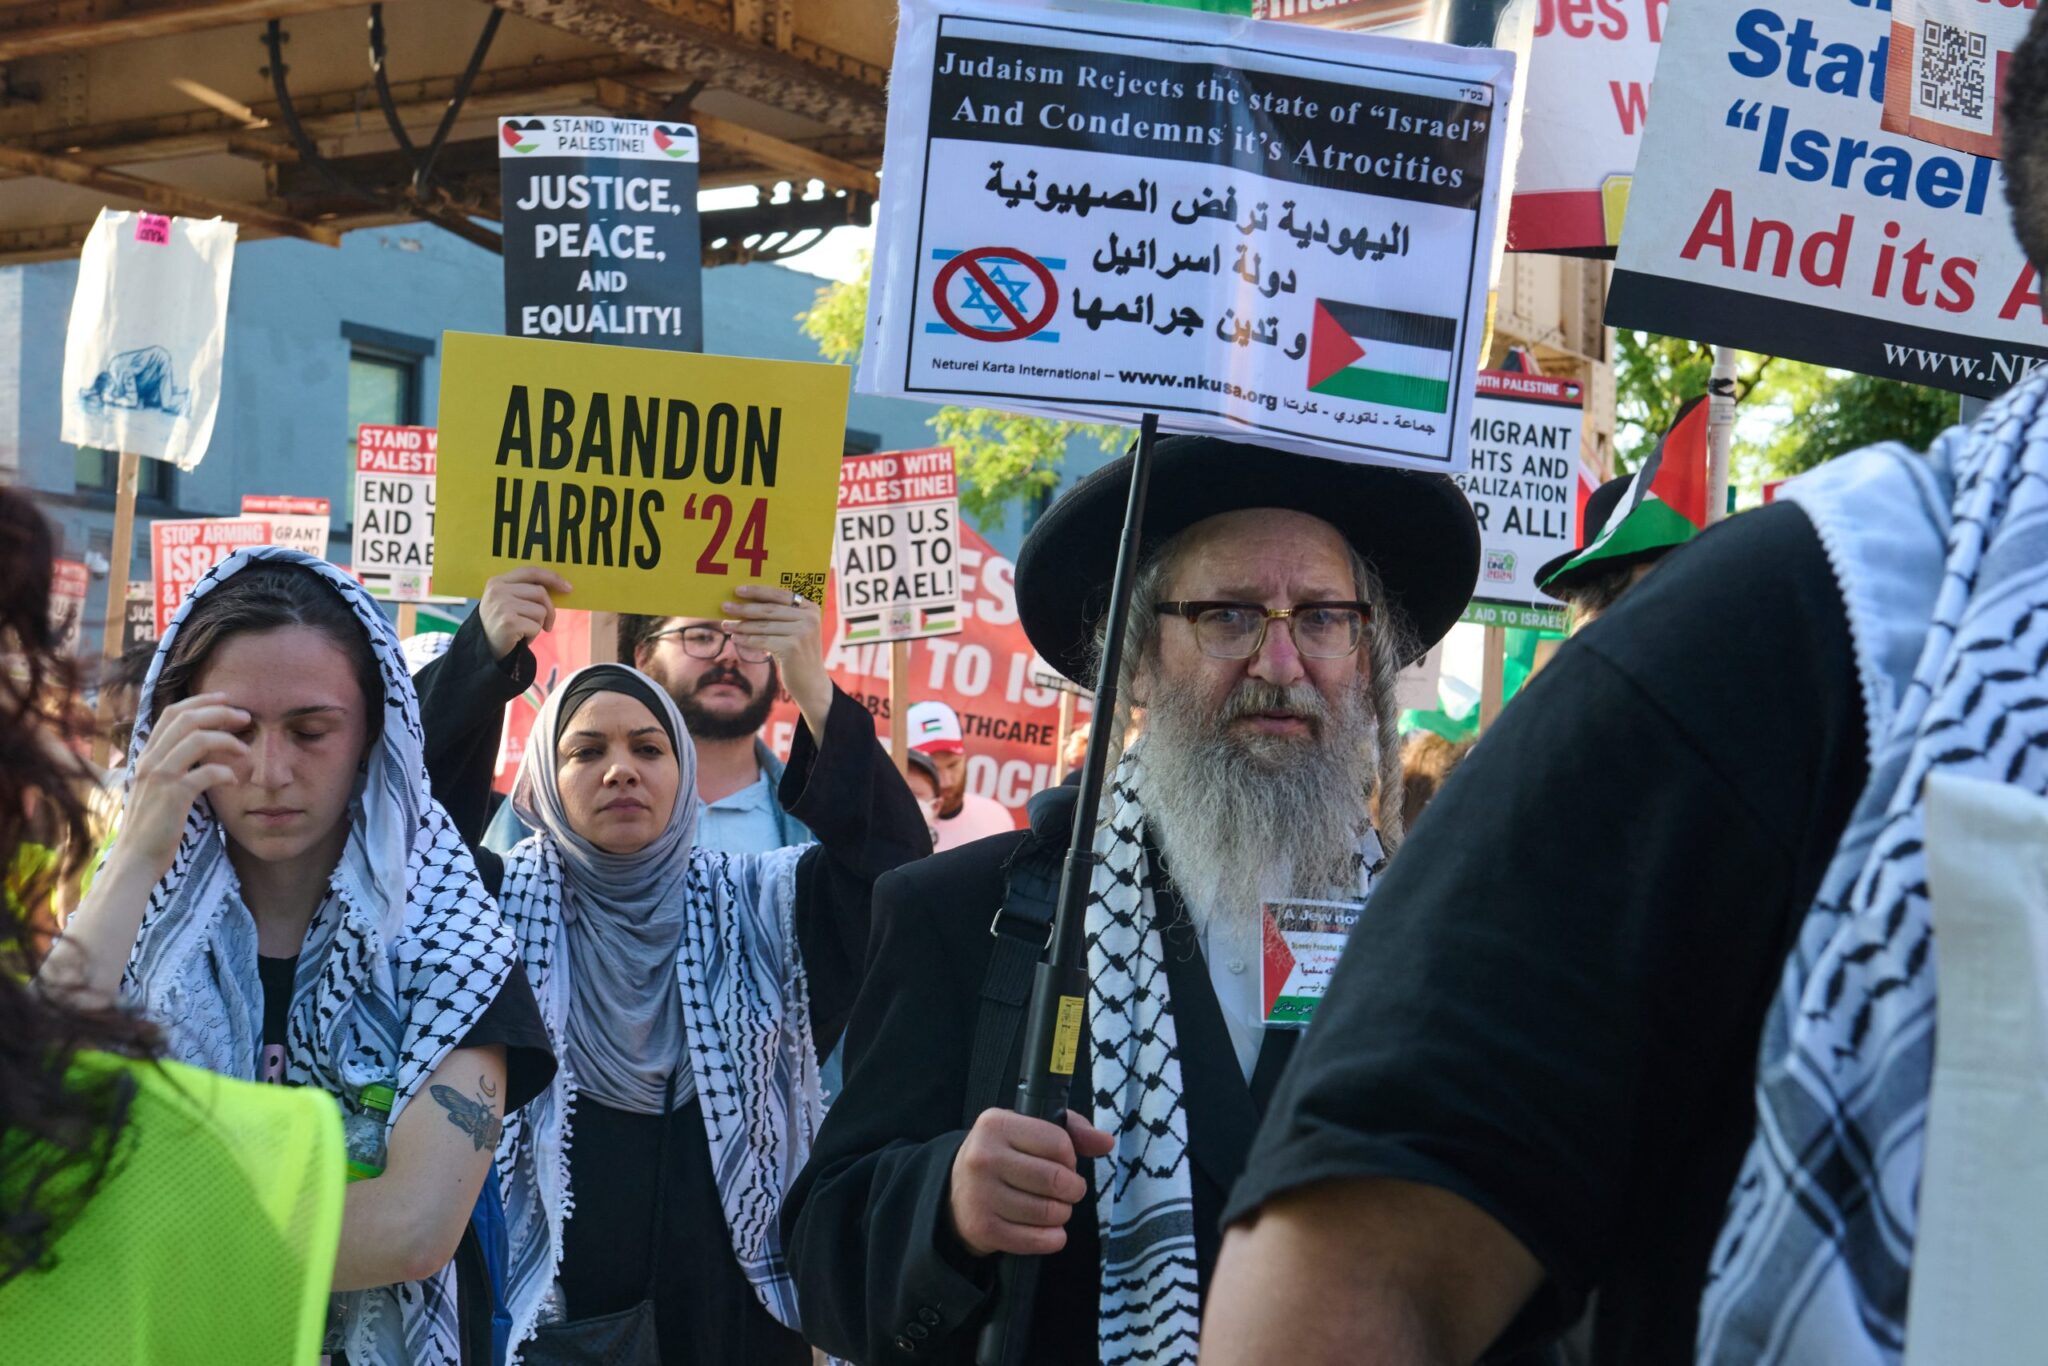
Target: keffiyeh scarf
[
  {"x": 398, "y": 965},
  {"x": 1151, "y": 1306},
  {"x": 1942, "y": 562},
  {"x": 747, "y": 1035}
]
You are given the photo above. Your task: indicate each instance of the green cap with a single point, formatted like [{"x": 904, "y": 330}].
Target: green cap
[{"x": 378, "y": 1096}]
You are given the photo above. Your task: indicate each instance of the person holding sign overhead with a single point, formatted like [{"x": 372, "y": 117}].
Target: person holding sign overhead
[
  {"x": 1276, "y": 599},
  {"x": 692, "y": 991}
]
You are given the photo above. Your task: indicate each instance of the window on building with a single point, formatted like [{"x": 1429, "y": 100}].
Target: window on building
[
  {"x": 383, "y": 386},
  {"x": 98, "y": 471},
  {"x": 862, "y": 443}
]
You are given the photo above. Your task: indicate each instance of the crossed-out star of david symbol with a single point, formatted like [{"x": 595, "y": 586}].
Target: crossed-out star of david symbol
[{"x": 978, "y": 300}]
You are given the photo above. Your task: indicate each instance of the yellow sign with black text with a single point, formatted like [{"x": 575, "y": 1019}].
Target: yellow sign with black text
[{"x": 654, "y": 481}]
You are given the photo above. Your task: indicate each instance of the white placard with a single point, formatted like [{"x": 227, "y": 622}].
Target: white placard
[
  {"x": 1772, "y": 213},
  {"x": 149, "y": 320},
  {"x": 394, "y": 509},
  {"x": 1523, "y": 486},
  {"x": 298, "y": 523},
  {"x": 1271, "y": 233},
  {"x": 896, "y": 546}
]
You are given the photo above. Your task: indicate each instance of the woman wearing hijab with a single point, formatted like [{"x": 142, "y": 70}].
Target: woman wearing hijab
[
  {"x": 692, "y": 992},
  {"x": 287, "y": 902}
]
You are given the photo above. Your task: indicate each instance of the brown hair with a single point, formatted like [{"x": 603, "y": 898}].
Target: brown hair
[
  {"x": 268, "y": 596},
  {"x": 51, "y": 1125}
]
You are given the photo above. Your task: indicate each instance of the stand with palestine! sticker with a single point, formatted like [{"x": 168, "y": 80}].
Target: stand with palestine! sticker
[{"x": 1188, "y": 220}]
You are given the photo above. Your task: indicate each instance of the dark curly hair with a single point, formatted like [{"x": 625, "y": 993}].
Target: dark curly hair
[
  {"x": 2025, "y": 118},
  {"x": 51, "y": 1124}
]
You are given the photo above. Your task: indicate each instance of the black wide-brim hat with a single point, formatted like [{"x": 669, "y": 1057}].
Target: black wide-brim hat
[{"x": 1416, "y": 531}]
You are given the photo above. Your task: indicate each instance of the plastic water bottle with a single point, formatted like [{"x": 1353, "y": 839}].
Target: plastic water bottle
[{"x": 363, "y": 1130}]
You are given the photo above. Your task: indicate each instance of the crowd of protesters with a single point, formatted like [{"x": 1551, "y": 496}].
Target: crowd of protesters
[{"x": 1630, "y": 1050}]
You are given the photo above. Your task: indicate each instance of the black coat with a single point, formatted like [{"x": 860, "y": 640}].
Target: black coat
[{"x": 880, "y": 1275}]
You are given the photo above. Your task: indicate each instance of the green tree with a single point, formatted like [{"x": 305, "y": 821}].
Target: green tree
[
  {"x": 1004, "y": 459},
  {"x": 1790, "y": 417}
]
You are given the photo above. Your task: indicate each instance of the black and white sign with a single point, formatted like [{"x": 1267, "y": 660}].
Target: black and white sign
[
  {"x": 601, "y": 236},
  {"x": 1263, "y": 231}
]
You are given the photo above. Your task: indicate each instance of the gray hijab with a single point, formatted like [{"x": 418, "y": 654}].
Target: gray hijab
[{"x": 622, "y": 914}]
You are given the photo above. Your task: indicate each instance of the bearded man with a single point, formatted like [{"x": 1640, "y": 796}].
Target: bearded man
[{"x": 1277, "y": 597}]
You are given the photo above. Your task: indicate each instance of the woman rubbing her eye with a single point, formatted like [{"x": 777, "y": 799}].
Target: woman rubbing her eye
[
  {"x": 288, "y": 903},
  {"x": 692, "y": 992}
]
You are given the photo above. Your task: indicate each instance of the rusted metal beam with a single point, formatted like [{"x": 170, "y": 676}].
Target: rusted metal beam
[
  {"x": 763, "y": 147},
  {"x": 161, "y": 197},
  {"x": 153, "y": 21},
  {"x": 793, "y": 82}
]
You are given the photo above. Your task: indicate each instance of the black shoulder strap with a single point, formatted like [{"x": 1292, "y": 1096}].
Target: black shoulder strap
[{"x": 1021, "y": 928}]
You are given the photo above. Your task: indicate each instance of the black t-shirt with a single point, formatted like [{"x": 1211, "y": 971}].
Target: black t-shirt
[
  {"x": 1553, "y": 1004},
  {"x": 512, "y": 1019}
]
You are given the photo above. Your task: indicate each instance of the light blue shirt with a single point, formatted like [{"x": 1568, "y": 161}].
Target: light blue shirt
[{"x": 741, "y": 822}]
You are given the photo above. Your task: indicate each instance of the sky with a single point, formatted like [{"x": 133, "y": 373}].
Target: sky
[{"x": 838, "y": 257}]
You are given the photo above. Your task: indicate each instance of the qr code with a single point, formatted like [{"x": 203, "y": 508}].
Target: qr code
[
  {"x": 811, "y": 586},
  {"x": 1952, "y": 77}
]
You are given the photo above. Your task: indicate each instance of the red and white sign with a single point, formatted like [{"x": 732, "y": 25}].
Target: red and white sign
[
  {"x": 1588, "y": 91},
  {"x": 1009, "y": 724},
  {"x": 297, "y": 523},
  {"x": 393, "y": 545},
  {"x": 69, "y": 581},
  {"x": 896, "y": 546},
  {"x": 181, "y": 553}
]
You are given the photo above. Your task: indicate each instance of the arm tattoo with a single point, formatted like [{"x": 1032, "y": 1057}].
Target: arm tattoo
[{"x": 474, "y": 1117}]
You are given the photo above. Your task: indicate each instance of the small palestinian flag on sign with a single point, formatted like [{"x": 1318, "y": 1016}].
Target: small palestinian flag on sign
[
  {"x": 1381, "y": 355},
  {"x": 868, "y": 627},
  {"x": 1664, "y": 505}
]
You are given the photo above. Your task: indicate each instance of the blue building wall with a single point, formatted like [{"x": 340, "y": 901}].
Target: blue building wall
[{"x": 283, "y": 426}]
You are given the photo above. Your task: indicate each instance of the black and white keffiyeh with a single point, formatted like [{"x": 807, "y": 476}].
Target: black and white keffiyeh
[
  {"x": 398, "y": 965},
  {"x": 1942, "y": 562},
  {"x": 1151, "y": 1304},
  {"x": 746, "y": 1032}
]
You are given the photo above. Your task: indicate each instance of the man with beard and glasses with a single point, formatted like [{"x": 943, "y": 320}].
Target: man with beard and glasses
[
  {"x": 724, "y": 693},
  {"x": 1277, "y": 597}
]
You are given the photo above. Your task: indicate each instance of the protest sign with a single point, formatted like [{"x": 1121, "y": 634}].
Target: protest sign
[
  {"x": 393, "y": 544},
  {"x": 1256, "y": 230},
  {"x": 1009, "y": 723},
  {"x": 138, "y": 622},
  {"x": 1585, "y": 96},
  {"x": 1394, "y": 18},
  {"x": 181, "y": 553},
  {"x": 1522, "y": 486},
  {"x": 69, "y": 581},
  {"x": 1770, "y": 212},
  {"x": 1945, "y": 80},
  {"x": 299, "y": 523},
  {"x": 896, "y": 550},
  {"x": 601, "y": 236},
  {"x": 652, "y": 482},
  {"x": 149, "y": 321}
]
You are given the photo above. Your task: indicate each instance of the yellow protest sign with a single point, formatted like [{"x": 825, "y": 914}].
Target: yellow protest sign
[{"x": 654, "y": 481}]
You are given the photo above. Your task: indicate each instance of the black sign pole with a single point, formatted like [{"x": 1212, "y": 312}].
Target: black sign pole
[{"x": 1057, "y": 1015}]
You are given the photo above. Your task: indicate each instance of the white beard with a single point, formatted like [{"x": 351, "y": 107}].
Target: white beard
[{"x": 1242, "y": 818}]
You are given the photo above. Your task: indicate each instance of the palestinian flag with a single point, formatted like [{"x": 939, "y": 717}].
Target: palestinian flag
[
  {"x": 1381, "y": 355},
  {"x": 1666, "y": 503}
]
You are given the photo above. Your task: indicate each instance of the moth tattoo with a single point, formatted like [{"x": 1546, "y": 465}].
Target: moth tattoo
[{"x": 476, "y": 1117}]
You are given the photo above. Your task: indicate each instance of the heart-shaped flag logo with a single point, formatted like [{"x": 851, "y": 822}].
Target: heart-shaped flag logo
[
  {"x": 675, "y": 147},
  {"x": 515, "y": 138}
]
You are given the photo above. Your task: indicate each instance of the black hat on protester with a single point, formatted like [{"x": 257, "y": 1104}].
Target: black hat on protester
[
  {"x": 1416, "y": 531},
  {"x": 1600, "y": 506}
]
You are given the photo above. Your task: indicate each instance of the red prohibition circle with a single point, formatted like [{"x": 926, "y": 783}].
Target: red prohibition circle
[{"x": 970, "y": 261}]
